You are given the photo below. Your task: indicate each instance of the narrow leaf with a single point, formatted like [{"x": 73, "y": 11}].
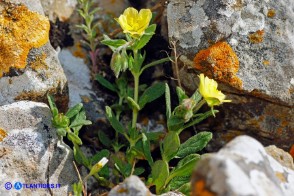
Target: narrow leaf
[
  {"x": 113, "y": 121},
  {"x": 167, "y": 101},
  {"x": 52, "y": 105},
  {"x": 105, "y": 83},
  {"x": 181, "y": 94},
  {"x": 74, "y": 110},
  {"x": 151, "y": 94},
  {"x": 171, "y": 144},
  {"x": 160, "y": 173},
  {"x": 103, "y": 138},
  {"x": 147, "y": 150},
  {"x": 133, "y": 104},
  {"x": 194, "y": 144},
  {"x": 149, "y": 32}
]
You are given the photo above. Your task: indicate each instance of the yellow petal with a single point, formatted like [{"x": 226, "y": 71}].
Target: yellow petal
[
  {"x": 134, "y": 22},
  {"x": 208, "y": 90}
]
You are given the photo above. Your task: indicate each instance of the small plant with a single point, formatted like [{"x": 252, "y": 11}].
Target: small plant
[
  {"x": 90, "y": 29},
  {"x": 68, "y": 125},
  {"x": 128, "y": 56}
]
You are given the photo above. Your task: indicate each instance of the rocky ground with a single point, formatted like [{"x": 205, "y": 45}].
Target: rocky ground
[{"x": 247, "y": 46}]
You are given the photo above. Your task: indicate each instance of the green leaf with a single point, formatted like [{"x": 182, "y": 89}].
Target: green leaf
[
  {"x": 77, "y": 188},
  {"x": 61, "y": 132},
  {"x": 113, "y": 121},
  {"x": 103, "y": 138},
  {"x": 160, "y": 173},
  {"x": 147, "y": 150},
  {"x": 175, "y": 123},
  {"x": 133, "y": 104},
  {"x": 52, "y": 105},
  {"x": 60, "y": 121},
  {"x": 74, "y": 138},
  {"x": 181, "y": 94},
  {"x": 185, "y": 166},
  {"x": 196, "y": 96},
  {"x": 151, "y": 93},
  {"x": 149, "y": 32},
  {"x": 80, "y": 120},
  {"x": 138, "y": 171},
  {"x": 74, "y": 110},
  {"x": 116, "y": 63},
  {"x": 171, "y": 144},
  {"x": 167, "y": 101},
  {"x": 79, "y": 156},
  {"x": 105, "y": 83},
  {"x": 185, "y": 189},
  {"x": 113, "y": 43},
  {"x": 194, "y": 144},
  {"x": 179, "y": 181},
  {"x": 155, "y": 136}
]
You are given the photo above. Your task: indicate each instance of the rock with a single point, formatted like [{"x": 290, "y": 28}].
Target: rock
[
  {"x": 247, "y": 46},
  {"x": 132, "y": 186},
  {"x": 114, "y": 7},
  {"x": 78, "y": 75},
  {"x": 281, "y": 156},
  {"x": 30, "y": 153},
  {"x": 59, "y": 8},
  {"x": 28, "y": 64},
  {"x": 242, "y": 167}
]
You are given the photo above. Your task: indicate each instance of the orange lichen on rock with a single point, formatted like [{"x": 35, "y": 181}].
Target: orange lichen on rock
[
  {"x": 271, "y": 13},
  {"x": 256, "y": 37},
  {"x": 220, "y": 62},
  {"x": 39, "y": 62},
  {"x": 266, "y": 62},
  {"x": 3, "y": 134},
  {"x": 292, "y": 151},
  {"x": 20, "y": 31},
  {"x": 200, "y": 190}
]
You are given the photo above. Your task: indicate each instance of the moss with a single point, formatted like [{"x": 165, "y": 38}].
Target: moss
[
  {"x": 20, "y": 31},
  {"x": 220, "y": 62},
  {"x": 256, "y": 37},
  {"x": 3, "y": 134}
]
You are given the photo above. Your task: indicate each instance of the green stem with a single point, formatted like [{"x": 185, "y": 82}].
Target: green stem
[
  {"x": 136, "y": 94},
  {"x": 197, "y": 120},
  {"x": 199, "y": 105},
  {"x": 155, "y": 63},
  {"x": 136, "y": 75}
]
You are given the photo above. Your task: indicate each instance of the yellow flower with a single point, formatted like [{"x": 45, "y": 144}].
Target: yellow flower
[
  {"x": 98, "y": 166},
  {"x": 208, "y": 90},
  {"x": 133, "y": 22}
]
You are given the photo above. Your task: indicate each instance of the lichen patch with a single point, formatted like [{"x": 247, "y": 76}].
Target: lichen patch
[
  {"x": 220, "y": 62},
  {"x": 3, "y": 134},
  {"x": 256, "y": 37},
  {"x": 39, "y": 62},
  {"x": 20, "y": 31}
]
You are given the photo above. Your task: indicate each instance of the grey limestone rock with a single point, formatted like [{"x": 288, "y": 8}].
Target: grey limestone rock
[
  {"x": 42, "y": 73},
  {"x": 242, "y": 167},
  {"x": 132, "y": 186},
  {"x": 31, "y": 152},
  {"x": 248, "y": 47}
]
